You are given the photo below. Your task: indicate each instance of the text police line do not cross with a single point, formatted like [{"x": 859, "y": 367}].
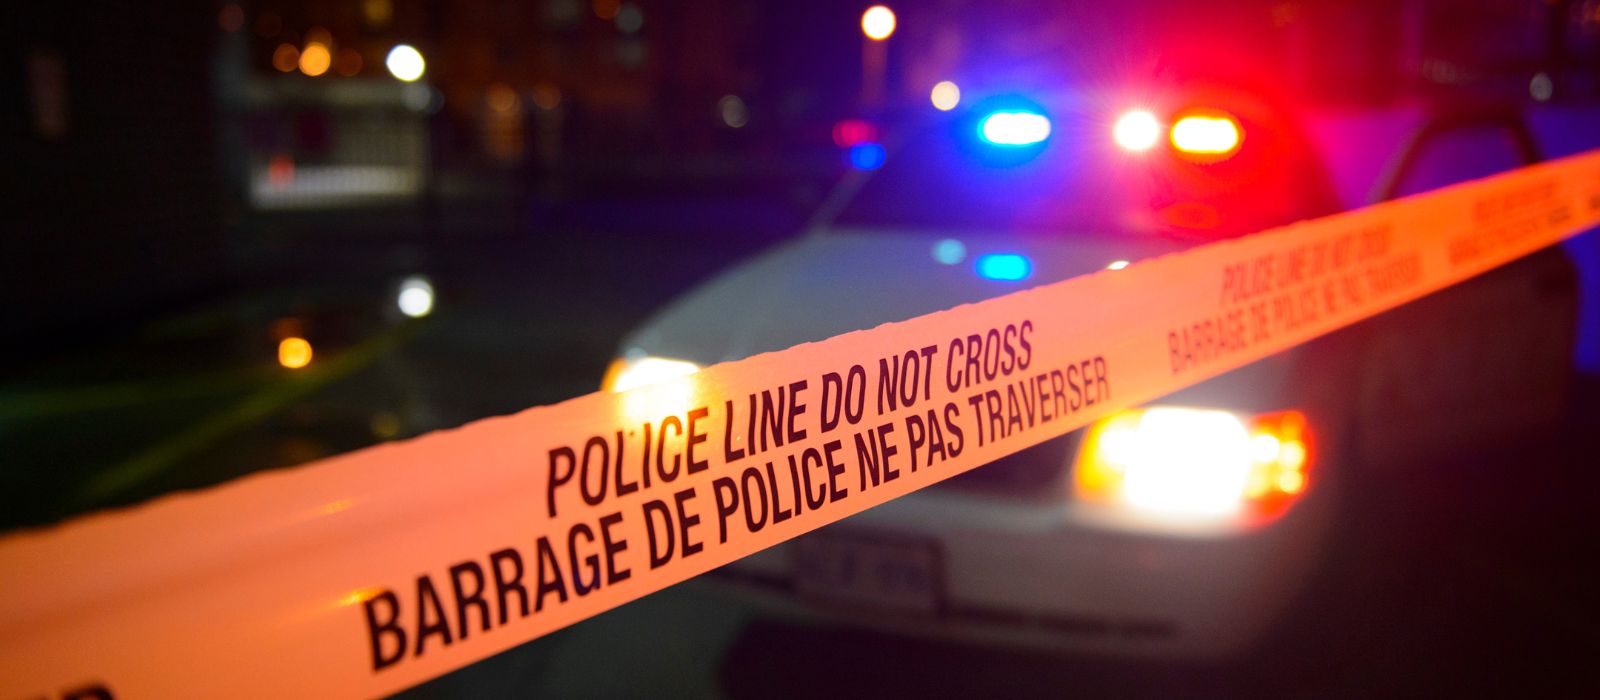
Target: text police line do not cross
[{"x": 993, "y": 392}]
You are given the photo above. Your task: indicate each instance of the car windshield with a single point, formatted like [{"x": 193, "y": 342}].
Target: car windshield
[{"x": 946, "y": 176}]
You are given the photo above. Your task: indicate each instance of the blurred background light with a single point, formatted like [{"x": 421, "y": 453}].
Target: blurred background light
[
  {"x": 849, "y": 132},
  {"x": 319, "y": 35},
  {"x": 945, "y": 96},
  {"x": 878, "y": 22},
  {"x": 1136, "y": 130},
  {"x": 1008, "y": 267},
  {"x": 405, "y": 62},
  {"x": 294, "y": 352},
  {"x": 546, "y": 96},
  {"x": 949, "y": 251},
  {"x": 231, "y": 17},
  {"x": 280, "y": 170},
  {"x": 733, "y": 111},
  {"x": 630, "y": 19},
  {"x": 418, "y": 98},
  {"x": 377, "y": 13},
  {"x": 1117, "y": 265},
  {"x": 1542, "y": 88},
  {"x": 415, "y": 298},
  {"x": 315, "y": 59},
  {"x": 868, "y": 155},
  {"x": 349, "y": 63},
  {"x": 501, "y": 98},
  {"x": 286, "y": 58}
]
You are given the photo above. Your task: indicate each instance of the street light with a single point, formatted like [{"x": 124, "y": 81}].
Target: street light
[
  {"x": 877, "y": 22},
  {"x": 945, "y": 95},
  {"x": 405, "y": 62}
]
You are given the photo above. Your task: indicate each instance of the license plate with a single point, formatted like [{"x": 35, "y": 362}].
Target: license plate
[{"x": 878, "y": 572}]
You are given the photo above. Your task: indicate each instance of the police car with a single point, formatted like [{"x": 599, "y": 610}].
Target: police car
[{"x": 1184, "y": 527}]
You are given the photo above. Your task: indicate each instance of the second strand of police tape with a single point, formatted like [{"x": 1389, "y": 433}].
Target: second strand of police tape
[{"x": 374, "y": 571}]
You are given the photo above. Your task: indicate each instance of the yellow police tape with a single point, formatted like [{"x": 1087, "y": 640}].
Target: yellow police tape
[{"x": 374, "y": 571}]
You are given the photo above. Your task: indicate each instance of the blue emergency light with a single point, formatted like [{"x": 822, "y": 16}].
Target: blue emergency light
[
  {"x": 1014, "y": 128},
  {"x": 1006, "y": 267},
  {"x": 868, "y": 155}
]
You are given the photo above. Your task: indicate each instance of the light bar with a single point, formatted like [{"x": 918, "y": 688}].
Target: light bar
[
  {"x": 1206, "y": 135},
  {"x": 1136, "y": 130},
  {"x": 1006, "y": 267},
  {"x": 1016, "y": 128}
]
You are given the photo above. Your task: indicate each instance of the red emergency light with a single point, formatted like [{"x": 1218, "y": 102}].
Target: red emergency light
[{"x": 849, "y": 132}]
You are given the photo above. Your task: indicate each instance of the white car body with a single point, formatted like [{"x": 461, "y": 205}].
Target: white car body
[
  {"x": 1015, "y": 565},
  {"x": 1007, "y": 553}
]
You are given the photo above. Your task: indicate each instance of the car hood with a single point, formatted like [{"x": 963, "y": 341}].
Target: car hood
[{"x": 831, "y": 282}]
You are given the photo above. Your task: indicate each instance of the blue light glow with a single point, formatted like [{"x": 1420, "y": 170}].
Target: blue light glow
[
  {"x": 1014, "y": 128},
  {"x": 867, "y": 155},
  {"x": 949, "y": 251},
  {"x": 1009, "y": 267}
]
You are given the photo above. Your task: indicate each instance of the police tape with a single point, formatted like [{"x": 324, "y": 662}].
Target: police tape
[{"x": 371, "y": 572}]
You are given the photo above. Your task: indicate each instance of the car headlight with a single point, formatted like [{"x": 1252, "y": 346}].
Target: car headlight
[
  {"x": 658, "y": 394},
  {"x": 1195, "y": 462},
  {"x": 625, "y": 373}
]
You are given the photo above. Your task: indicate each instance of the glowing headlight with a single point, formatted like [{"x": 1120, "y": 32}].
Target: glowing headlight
[
  {"x": 1189, "y": 461},
  {"x": 625, "y": 374},
  {"x": 658, "y": 394}
]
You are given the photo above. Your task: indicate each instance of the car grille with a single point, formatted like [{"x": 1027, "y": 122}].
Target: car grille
[{"x": 1038, "y": 469}]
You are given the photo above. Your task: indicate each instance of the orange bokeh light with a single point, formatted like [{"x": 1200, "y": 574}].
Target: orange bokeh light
[
  {"x": 315, "y": 59},
  {"x": 294, "y": 352},
  {"x": 286, "y": 58},
  {"x": 349, "y": 63}
]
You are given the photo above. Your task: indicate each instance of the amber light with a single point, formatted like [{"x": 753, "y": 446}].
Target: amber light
[
  {"x": 294, "y": 352},
  {"x": 315, "y": 59},
  {"x": 1282, "y": 453}
]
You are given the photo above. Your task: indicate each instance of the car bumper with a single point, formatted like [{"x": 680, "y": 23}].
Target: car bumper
[{"x": 1040, "y": 575}]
